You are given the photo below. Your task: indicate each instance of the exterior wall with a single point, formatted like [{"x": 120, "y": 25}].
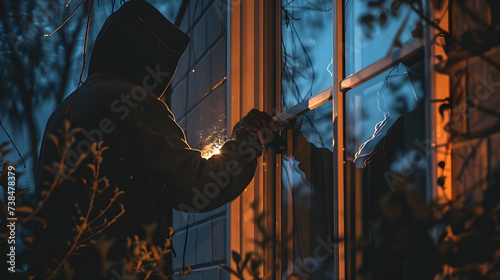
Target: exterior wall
[
  {"x": 475, "y": 125},
  {"x": 477, "y": 137},
  {"x": 198, "y": 101}
]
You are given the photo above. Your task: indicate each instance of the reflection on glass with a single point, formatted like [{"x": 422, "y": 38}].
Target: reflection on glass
[
  {"x": 373, "y": 107},
  {"x": 308, "y": 195},
  {"x": 361, "y": 51},
  {"x": 306, "y": 49}
]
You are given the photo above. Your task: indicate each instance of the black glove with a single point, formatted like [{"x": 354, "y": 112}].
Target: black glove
[{"x": 261, "y": 126}]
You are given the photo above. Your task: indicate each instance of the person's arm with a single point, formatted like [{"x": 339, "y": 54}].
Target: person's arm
[{"x": 178, "y": 174}]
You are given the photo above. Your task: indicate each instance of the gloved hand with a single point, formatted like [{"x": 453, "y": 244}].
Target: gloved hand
[
  {"x": 256, "y": 123},
  {"x": 262, "y": 126}
]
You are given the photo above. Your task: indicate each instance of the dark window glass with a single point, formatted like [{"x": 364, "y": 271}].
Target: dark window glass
[
  {"x": 308, "y": 194},
  {"x": 385, "y": 134}
]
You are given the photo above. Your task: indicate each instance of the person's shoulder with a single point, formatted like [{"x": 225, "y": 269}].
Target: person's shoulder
[{"x": 115, "y": 86}]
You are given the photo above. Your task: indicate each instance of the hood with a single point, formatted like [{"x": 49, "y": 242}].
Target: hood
[{"x": 139, "y": 44}]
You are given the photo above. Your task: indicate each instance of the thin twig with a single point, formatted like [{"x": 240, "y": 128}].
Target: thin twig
[
  {"x": 54, "y": 184},
  {"x": 13, "y": 144},
  {"x": 86, "y": 39},
  {"x": 85, "y": 227},
  {"x": 84, "y": 56},
  {"x": 66, "y": 20},
  {"x": 82, "y": 229},
  {"x": 117, "y": 193}
]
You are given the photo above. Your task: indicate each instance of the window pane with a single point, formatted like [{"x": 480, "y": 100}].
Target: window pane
[
  {"x": 306, "y": 49},
  {"x": 385, "y": 132},
  {"x": 308, "y": 194},
  {"x": 375, "y": 106},
  {"x": 361, "y": 50}
]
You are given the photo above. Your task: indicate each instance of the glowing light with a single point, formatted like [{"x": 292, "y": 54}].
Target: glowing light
[
  {"x": 211, "y": 150},
  {"x": 212, "y": 141}
]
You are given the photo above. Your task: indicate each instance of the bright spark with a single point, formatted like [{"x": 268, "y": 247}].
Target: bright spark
[{"x": 211, "y": 150}]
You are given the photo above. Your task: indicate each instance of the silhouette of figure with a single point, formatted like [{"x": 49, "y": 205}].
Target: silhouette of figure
[{"x": 133, "y": 61}]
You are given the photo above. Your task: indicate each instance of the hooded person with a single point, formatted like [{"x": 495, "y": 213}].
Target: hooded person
[{"x": 146, "y": 160}]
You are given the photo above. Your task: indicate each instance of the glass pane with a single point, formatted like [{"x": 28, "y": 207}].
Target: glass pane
[
  {"x": 361, "y": 50},
  {"x": 308, "y": 195},
  {"x": 306, "y": 49},
  {"x": 375, "y": 106},
  {"x": 385, "y": 135}
]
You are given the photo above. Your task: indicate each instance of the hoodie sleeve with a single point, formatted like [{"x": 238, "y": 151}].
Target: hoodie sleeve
[{"x": 177, "y": 174}]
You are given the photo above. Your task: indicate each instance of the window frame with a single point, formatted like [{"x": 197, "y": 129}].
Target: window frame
[
  {"x": 436, "y": 87},
  {"x": 352, "y": 81},
  {"x": 249, "y": 21}
]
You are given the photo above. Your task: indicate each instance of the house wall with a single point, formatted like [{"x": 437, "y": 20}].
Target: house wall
[
  {"x": 475, "y": 124},
  {"x": 198, "y": 101}
]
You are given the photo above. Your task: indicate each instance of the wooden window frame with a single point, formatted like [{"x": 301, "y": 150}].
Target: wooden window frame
[
  {"x": 252, "y": 81},
  {"x": 254, "y": 70},
  {"x": 437, "y": 87}
]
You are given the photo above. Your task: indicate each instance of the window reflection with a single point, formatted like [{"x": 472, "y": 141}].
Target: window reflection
[
  {"x": 375, "y": 106},
  {"x": 308, "y": 194},
  {"x": 361, "y": 50},
  {"x": 306, "y": 49},
  {"x": 385, "y": 132}
]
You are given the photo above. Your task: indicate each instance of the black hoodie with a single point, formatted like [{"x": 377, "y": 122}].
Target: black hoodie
[{"x": 133, "y": 61}]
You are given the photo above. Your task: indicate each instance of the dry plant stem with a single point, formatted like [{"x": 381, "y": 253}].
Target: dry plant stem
[
  {"x": 67, "y": 19},
  {"x": 87, "y": 28},
  {"x": 84, "y": 54},
  {"x": 13, "y": 144},
  {"x": 54, "y": 184},
  {"x": 107, "y": 207},
  {"x": 86, "y": 39},
  {"x": 85, "y": 225},
  {"x": 157, "y": 257},
  {"x": 103, "y": 227},
  {"x": 139, "y": 264}
]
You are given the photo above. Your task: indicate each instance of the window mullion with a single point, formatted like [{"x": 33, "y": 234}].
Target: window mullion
[
  {"x": 381, "y": 65},
  {"x": 305, "y": 106}
]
